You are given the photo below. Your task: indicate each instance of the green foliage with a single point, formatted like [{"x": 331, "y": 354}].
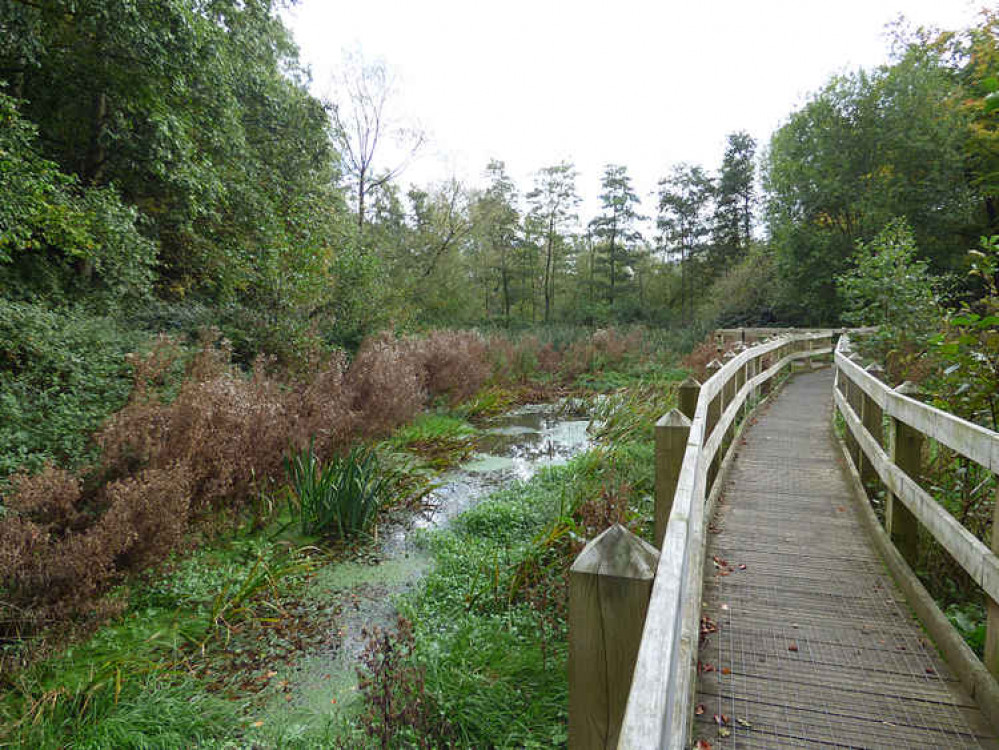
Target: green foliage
[
  {"x": 140, "y": 713},
  {"x": 968, "y": 381},
  {"x": 890, "y": 288},
  {"x": 489, "y": 619},
  {"x": 439, "y": 439},
  {"x": 631, "y": 414},
  {"x": 735, "y": 200},
  {"x": 869, "y": 147},
  {"x": 62, "y": 373},
  {"x": 616, "y": 234},
  {"x": 56, "y": 238},
  {"x": 969, "y": 620},
  {"x": 340, "y": 500}
]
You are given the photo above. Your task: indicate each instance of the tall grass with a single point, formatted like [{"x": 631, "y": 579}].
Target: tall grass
[{"x": 340, "y": 500}]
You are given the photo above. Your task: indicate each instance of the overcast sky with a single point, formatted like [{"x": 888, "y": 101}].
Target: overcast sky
[{"x": 644, "y": 84}]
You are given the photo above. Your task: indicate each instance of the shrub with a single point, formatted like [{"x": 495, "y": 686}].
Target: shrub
[
  {"x": 62, "y": 372},
  {"x": 454, "y": 363},
  {"x": 385, "y": 385}
]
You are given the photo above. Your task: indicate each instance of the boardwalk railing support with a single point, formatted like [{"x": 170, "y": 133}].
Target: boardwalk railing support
[
  {"x": 906, "y": 453},
  {"x": 992, "y": 623},
  {"x": 672, "y": 432},
  {"x": 660, "y": 705},
  {"x": 609, "y": 588},
  {"x": 912, "y": 510},
  {"x": 687, "y": 395},
  {"x": 872, "y": 417}
]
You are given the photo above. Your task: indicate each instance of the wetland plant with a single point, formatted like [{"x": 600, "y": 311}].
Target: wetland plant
[{"x": 341, "y": 499}]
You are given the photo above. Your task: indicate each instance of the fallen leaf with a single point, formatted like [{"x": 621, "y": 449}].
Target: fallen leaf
[
  {"x": 258, "y": 723},
  {"x": 743, "y": 723},
  {"x": 793, "y": 647},
  {"x": 724, "y": 607},
  {"x": 721, "y": 719},
  {"x": 723, "y": 732},
  {"x": 930, "y": 670},
  {"x": 702, "y": 745},
  {"x": 742, "y": 566},
  {"x": 705, "y": 667},
  {"x": 726, "y": 670},
  {"x": 699, "y": 709}
]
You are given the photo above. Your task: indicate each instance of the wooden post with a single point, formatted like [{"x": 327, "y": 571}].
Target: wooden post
[
  {"x": 609, "y": 588},
  {"x": 871, "y": 416},
  {"x": 672, "y": 432},
  {"x": 906, "y": 453},
  {"x": 715, "y": 408},
  {"x": 992, "y": 626},
  {"x": 853, "y": 399},
  {"x": 687, "y": 395}
]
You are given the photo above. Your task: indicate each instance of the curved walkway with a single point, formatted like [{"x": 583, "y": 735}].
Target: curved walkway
[{"x": 807, "y": 641}]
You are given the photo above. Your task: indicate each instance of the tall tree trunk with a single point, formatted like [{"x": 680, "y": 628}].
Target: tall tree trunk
[
  {"x": 505, "y": 279},
  {"x": 611, "y": 253},
  {"x": 549, "y": 255}
]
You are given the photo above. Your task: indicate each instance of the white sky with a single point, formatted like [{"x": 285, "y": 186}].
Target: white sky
[{"x": 644, "y": 84}]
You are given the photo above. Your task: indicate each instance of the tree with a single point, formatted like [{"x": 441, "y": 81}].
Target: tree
[
  {"x": 495, "y": 228},
  {"x": 198, "y": 114},
  {"x": 552, "y": 203},
  {"x": 361, "y": 124},
  {"x": 684, "y": 223},
  {"x": 890, "y": 288},
  {"x": 735, "y": 199},
  {"x": 866, "y": 149},
  {"x": 615, "y": 228}
]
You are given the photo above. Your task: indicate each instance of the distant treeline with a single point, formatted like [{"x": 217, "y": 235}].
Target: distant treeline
[{"x": 167, "y": 160}]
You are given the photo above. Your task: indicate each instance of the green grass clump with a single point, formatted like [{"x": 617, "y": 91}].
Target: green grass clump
[
  {"x": 439, "y": 439},
  {"x": 340, "y": 500},
  {"x": 631, "y": 414}
]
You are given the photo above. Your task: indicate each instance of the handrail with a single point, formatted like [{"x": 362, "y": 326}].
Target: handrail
[
  {"x": 970, "y": 440},
  {"x": 659, "y": 708},
  {"x": 856, "y": 389}
]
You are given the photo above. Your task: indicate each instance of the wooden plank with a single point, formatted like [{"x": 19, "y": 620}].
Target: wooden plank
[
  {"x": 658, "y": 708},
  {"x": 813, "y": 635},
  {"x": 672, "y": 433}
]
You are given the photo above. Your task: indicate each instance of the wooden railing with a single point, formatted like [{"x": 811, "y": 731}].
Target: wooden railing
[
  {"x": 894, "y": 457},
  {"x": 660, "y": 702}
]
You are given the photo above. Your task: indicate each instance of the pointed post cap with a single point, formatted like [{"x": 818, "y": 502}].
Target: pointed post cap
[
  {"x": 689, "y": 383},
  {"x": 619, "y": 553},
  {"x": 910, "y": 389},
  {"x": 740, "y": 347},
  {"x": 713, "y": 366},
  {"x": 729, "y": 355},
  {"x": 673, "y": 418},
  {"x": 855, "y": 358}
]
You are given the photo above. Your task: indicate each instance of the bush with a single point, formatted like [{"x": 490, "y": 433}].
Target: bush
[
  {"x": 385, "y": 382},
  {"x": 454, "y": 364},
  {"x": 62, "y": 372}
]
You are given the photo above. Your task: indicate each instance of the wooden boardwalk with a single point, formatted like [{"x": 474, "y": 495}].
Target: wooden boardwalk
[{"x": 815, "y": 646}]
